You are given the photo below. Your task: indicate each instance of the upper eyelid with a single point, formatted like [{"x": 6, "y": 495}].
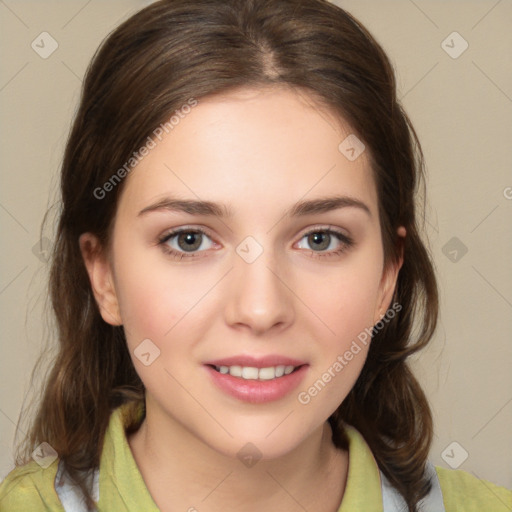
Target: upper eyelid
[
  {"x": 328, "y": 228},
  {"x": 318, "y": 227},
  {"x": 186, "y": 229}
]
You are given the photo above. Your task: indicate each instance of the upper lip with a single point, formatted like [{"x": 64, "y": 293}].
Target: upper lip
[{"x": 256, "y": 362}]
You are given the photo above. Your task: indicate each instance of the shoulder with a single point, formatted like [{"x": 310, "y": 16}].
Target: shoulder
[
  {"x": 30, "y": 487},
  {"x": 465, "y": 492}
]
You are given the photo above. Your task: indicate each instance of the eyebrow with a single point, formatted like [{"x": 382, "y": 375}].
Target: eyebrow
[{"x": 209, "y": 208}]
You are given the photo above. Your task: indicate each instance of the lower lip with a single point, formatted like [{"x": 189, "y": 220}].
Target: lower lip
[{"x": 257, "y": 391}]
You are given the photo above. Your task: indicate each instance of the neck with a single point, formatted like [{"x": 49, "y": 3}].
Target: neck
[{"x": 182, "y": 472}]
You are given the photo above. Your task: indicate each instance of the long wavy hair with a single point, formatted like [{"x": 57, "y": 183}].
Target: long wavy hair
[{"x": 145, "y": 70}]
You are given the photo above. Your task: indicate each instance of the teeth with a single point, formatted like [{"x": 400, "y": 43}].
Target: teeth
[{"x": 249, "y": 372}]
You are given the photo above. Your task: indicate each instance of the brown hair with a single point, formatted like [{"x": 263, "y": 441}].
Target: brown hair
[{"x": 151, "y": 65}]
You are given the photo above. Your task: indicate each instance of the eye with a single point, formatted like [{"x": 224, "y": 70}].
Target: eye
[
  {"x": 326, "y": 240},
  {"x": 184, "y": 242}
]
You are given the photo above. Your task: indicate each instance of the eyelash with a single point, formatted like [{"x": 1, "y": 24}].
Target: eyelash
[{"x": 346, "y": 242}]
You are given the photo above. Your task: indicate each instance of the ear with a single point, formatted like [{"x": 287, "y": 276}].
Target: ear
[
  {"x": 101, "y": 278},
  {"x": 388, "y": 282}
]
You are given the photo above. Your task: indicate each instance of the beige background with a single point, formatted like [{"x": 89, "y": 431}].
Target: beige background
[{"x": 462, "y": 109}]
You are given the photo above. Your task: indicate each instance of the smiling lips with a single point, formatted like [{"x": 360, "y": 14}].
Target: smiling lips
[{"x": 257, "y": 380}]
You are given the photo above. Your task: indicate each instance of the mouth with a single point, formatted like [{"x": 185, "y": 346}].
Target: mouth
[{"x": 263, "y": 382}]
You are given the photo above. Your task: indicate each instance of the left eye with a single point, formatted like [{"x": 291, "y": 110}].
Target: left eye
[{"x": 324, "y": 240}]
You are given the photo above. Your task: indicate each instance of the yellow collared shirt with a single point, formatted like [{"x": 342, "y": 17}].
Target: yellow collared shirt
[{"x": 122, "y": 489}]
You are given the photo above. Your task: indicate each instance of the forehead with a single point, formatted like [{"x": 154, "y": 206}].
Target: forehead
[{"x": 257, "y": 147}]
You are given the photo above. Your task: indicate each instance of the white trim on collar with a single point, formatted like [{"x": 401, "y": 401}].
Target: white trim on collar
[
  {"x": 69, "y": 493},
  {"x": 393, "y": 502}
]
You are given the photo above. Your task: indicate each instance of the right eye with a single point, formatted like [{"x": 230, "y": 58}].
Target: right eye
[{"x": 184, "y": 242}]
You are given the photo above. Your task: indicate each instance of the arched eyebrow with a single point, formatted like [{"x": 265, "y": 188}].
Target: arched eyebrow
[
  {"x": 326, "y": 204},
  {"x": 300, "y": 209}
]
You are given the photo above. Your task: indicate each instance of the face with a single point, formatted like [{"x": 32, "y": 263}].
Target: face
[{"x": 286, "y": 269}]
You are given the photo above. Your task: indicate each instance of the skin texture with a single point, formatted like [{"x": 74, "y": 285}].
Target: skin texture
[{"x": 259, "y": 151}]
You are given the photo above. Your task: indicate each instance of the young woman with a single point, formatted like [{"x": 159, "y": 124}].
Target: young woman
[{"x": 238, "y": 278}]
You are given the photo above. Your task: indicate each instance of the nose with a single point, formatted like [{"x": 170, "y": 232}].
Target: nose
[{"x": 260, "y": 297}]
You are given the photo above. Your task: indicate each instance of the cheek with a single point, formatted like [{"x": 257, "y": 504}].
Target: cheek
[
  {"x": 346, "y": 298},
  {"x": 156, "y": 296},
  {"x": 143, "y": 294}
]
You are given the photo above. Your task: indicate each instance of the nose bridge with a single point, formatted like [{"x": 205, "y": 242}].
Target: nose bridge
[{"x": 259, "y": 299}]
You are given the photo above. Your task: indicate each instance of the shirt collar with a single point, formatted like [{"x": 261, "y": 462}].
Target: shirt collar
[
  {"x": 363, "y": 489},
  {"x": 122, "y": 487}
]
